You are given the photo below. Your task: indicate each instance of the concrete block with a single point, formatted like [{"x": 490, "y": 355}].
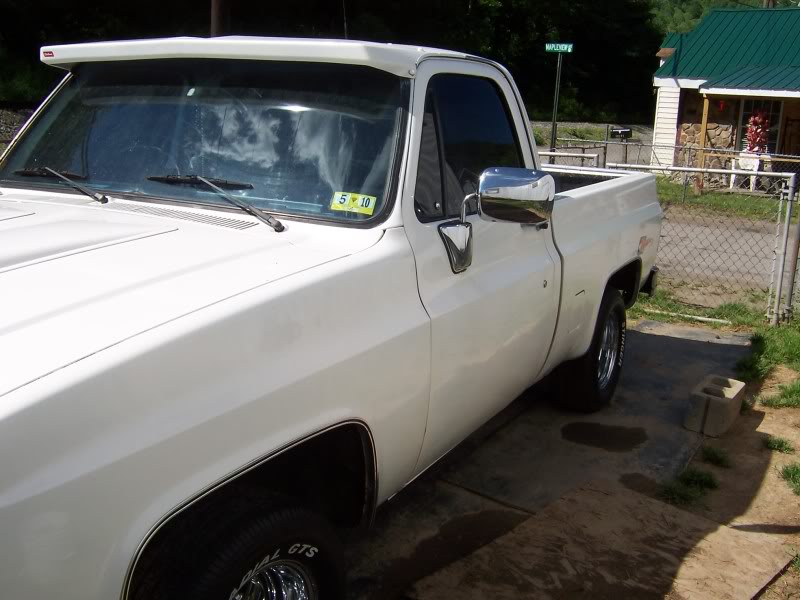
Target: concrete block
[
  {"x": 696, "y": 413},
  {"x": 724, "y": 404},
  {"x": 714, "y": 405}
]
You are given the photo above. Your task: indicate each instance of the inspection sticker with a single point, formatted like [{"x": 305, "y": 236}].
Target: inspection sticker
[{"x": 357, "y": 203}]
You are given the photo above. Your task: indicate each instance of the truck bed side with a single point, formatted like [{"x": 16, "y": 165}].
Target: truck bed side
[{"x": 598, "y": 228}]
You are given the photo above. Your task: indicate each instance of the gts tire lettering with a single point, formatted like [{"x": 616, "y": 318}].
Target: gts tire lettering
[{"x": 304, "y": 550}]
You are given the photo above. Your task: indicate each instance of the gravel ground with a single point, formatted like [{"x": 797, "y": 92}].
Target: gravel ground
[
  {"x": 637, "y": 151},
  {"x": 10, "y": 121}
]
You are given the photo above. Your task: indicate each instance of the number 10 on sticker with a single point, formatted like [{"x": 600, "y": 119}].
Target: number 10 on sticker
[{"x": 352, "y": 202}]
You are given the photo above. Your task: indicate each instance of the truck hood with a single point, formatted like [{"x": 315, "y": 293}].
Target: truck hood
[{"x": 77, "y": 277}]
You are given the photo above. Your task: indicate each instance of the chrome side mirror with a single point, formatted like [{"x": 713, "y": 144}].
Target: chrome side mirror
[{"x": 512, "y": 195}]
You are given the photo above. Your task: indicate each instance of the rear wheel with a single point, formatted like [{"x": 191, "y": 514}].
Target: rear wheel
[{"x": 587, "y": 384}]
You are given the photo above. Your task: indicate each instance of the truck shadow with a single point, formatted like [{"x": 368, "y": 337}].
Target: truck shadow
[{"x": 532, "y": 454}]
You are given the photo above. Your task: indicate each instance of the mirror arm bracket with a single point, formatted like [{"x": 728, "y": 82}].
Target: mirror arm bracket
[{"x": 467, "y": 198}]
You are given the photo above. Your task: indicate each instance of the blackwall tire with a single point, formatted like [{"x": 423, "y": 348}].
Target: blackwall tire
[
  {"x": 587, "y": 384},
  {"x": 293, "y": 548}
]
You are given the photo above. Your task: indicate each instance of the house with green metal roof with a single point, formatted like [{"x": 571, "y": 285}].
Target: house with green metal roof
[{"x": 737, "y": 67}]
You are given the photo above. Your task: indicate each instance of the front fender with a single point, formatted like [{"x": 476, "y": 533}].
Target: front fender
[{"x": 107, "y": 447}]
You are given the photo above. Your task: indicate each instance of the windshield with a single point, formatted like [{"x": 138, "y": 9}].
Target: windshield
[{"x": 307, "y": 139}]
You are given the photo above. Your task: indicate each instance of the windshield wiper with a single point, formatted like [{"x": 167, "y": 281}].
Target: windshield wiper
[
  {"x": 66, "y": 176},
  {"x": 217, "y": 185},
  {"x": 195, "y": 179}
]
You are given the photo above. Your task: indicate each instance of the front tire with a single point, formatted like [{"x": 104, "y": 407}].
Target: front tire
[
  {"x": 587, "y": 384},
  {"x": 290, "y": 553}
]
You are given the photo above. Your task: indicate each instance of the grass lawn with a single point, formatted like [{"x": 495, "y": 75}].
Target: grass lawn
[
  {"x": 588, "y": 133},
  {"x": 688, "y": 487},
  {"x": 740, "y": 315},
  {"x": 791, "y": 474},
  {"x": 787, "y": 397},
  {"x": 772, "y": 346},
  {"x": 778, "y": 444},
  {"x": 761, "y": 208},
  {"x": 716, "y": 456}
]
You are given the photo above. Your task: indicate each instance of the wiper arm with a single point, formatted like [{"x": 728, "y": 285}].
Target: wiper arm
[
  {"x": 217, "y": 185},
  {"x": 66, "y": 176}
]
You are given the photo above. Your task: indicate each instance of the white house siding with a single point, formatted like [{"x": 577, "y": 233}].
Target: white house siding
[{"x": 666, "y": 126}]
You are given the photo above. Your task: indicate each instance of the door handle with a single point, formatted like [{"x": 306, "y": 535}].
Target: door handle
[{"x": 537, "y": 226}]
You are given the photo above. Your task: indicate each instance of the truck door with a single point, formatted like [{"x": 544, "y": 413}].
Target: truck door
[{"x": 492, "y": 323}]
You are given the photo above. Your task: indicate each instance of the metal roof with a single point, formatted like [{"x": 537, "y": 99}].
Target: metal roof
[
  {"x": 758, "y": 77},
  {"x": 728, "y": 40},
  {"x": 394, "y": 58}
]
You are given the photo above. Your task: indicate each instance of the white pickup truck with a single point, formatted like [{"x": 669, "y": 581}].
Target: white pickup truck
[{"x": 250, "y": 288}]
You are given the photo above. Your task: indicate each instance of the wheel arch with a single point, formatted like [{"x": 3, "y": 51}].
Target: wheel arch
[
  {"x": 340, "y": 445},
  {"x": 627, "y": 279}
]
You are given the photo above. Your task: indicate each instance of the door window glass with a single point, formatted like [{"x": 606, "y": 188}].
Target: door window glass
[{"x": 476, "y": 133}]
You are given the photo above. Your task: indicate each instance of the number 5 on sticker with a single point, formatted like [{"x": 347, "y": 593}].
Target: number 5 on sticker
[{"x": 352, "y": 202}]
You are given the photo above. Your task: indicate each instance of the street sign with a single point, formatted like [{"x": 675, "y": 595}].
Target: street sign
[
  {"x": 561, "y": 48},
  {"x": 553, "y": 47}
]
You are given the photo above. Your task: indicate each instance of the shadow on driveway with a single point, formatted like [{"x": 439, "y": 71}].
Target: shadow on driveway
[{"x": 531, "y": 454}]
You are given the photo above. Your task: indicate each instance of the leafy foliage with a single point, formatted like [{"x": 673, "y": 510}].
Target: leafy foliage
[
  {"x": 604, "y": 77},
  {"x": 680, "y": 16}
]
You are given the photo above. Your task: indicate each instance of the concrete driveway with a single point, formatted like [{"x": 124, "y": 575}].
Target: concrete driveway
[{"x": 532, "y": 454}]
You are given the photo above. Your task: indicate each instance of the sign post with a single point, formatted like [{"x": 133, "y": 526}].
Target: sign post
[{"x": 561, "y": 49}]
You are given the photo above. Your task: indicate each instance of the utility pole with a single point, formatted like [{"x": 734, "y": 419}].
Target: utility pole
[
  {"x": 344, "y": 18},
  {"x": 216, "y": 17}
]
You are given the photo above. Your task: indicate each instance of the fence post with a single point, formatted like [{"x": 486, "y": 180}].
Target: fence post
[
  {"x": 795, "y": 249},
  {"x": 776, "y": 313}
]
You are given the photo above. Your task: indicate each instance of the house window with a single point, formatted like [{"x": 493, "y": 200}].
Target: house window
[{"x": 772, "y": 110}]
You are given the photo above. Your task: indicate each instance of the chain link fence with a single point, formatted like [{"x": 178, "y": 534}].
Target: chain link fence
[
  {"x": 729, "y": 233},
  {"x": 724, "y": 246},
  {"x": 638, "y": 153}
]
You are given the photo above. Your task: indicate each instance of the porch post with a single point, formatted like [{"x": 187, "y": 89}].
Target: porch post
[{"x": 698, "y": 182}]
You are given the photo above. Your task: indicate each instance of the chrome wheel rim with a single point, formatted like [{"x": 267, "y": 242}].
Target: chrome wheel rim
[
  {"x": 609, "y": 351},
  {"x": 281, "y": 580}
]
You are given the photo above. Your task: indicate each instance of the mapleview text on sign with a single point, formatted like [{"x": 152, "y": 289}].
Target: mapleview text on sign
[{"x": 553, "y": 47}]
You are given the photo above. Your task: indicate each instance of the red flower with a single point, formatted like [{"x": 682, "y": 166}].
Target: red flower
[{"x": 757, "y": 132}]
